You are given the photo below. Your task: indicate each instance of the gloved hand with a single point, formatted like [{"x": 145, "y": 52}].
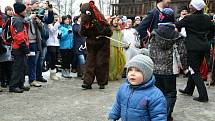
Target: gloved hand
[
  {"x": 69, "y": 31},
  {"x": 24, "y": 48},
  {"x": 59, "y": 35}
]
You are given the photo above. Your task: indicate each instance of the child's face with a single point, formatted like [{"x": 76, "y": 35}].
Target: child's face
[{"x": 135, "y": 76}]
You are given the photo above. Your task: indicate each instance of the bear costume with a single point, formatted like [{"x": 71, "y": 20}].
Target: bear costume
[{"x": 96, "y": 29}]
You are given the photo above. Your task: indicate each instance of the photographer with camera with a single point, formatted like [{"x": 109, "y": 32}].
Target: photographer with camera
[
  {"x": 35, "y": 40},
  {"x": 46, "y": 16}
]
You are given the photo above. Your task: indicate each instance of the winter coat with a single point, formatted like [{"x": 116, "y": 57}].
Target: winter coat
[
  {"x": 66, "y": 41},
  {"x": 53, "y": 33},
  {"x": 78, "y": 40},
  {"x": 19, "y": 32},
  {"x": 197, "y": 26},
  {"x": 34, "y": 33},
  {"x": 150, "y": 22},
  {"x": 143, "y": 103},
  {"x": 161, "y": 49}
]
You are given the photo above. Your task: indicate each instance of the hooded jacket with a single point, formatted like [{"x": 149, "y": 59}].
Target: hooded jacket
[
  {"x": 19, "y": 32},
  {"x": 161, "y": 49},
  {"x": 66, "y": 41},
  {"x": 143, "y": 103}
]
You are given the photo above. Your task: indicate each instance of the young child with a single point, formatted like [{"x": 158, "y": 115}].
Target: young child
[{"x": 138, "y": 99}]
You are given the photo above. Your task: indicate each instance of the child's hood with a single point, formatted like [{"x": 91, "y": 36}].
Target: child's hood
[{"x": 166, "y": 36}]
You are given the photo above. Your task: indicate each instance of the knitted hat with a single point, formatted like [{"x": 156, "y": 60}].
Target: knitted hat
[
  {"x": 34, "y": 1},
  {"x": 198, "y": 4},
  {"x": 183, "y": 8},
  {"x": 144, "y": 64},
  {"x": 19, "y": 7},
  {"x": 166, "y": 16}
]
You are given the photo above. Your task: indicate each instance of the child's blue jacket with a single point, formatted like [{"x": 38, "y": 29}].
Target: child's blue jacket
[{"x": 143, "y": 103}]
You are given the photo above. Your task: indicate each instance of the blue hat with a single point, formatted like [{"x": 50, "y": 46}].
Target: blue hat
[{"x": 166, "y": 16}]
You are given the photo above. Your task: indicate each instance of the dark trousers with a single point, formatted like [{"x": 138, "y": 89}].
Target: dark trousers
[
  {"x": 18, "y": 69},
  {"x": 167, "y": 84},
  {"x": 74, "y": 60},
  {"x": 213, "y": 70},
  {"x": 66, "y": 55},
  {"x": 5, "y": 72},
  {"x": 195, "y": 59},
  {"x": 52, "y": 51}
]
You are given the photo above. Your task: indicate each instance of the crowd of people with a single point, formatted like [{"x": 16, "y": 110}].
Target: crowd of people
[
  {"x": 32, "y": 36},
  {"x": 150, "y": 52},
  {"x": 175, "y": 45}
]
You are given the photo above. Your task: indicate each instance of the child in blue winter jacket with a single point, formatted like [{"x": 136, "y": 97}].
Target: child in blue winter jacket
[{"x": 138, "y": 99}]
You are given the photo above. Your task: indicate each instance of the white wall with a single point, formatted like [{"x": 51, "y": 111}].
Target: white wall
[{"x": 5, "y": 3}]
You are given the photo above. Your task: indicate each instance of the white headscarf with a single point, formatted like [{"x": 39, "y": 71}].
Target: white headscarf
[{"x": 198, "y": 4}]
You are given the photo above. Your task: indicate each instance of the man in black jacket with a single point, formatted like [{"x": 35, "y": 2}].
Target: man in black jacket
[
  {"x": 197, "y": 25},
  {"x": 150, "y": 22}
]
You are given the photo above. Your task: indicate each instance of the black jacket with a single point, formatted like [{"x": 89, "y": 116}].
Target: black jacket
[
  {"x": 78, "y": 40},
  {"x": 149, "y": 22},
  {"x": 198, "y": 26}
]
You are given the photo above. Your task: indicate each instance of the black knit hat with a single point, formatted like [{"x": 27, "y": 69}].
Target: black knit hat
[
  {"x": 183, "y": 8},
  {"x": 19, "y": 7}
]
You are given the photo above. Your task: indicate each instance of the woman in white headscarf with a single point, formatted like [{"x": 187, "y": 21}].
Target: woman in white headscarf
[{"x": 197, "y": 26}]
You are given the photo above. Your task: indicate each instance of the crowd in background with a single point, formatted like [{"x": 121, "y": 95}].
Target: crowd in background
[
  {"x": 48, "y": 39},
  {"x": 34, "y": 39},
  {"x": 55, "y": 44}
]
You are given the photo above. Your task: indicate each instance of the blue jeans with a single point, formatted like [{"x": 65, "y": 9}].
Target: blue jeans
[
  {"x": 40, "y": 60},
  {"x": 81, "y": 59},
  {"x": 32, "y": 61}
]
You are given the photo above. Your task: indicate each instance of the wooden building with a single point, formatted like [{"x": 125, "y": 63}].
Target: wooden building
[{"x": 132, "y": 8}]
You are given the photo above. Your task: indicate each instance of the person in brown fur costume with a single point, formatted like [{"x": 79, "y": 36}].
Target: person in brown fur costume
[{"x": 96, "y": 29}]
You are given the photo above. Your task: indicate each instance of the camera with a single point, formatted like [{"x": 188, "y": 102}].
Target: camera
[
  {"x": 49, "y": 5},
  {"x": 39, "y": 13}
]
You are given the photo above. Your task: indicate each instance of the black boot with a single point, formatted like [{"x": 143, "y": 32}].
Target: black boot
[
  {"x": 85, "y": 86},
  {"x": 16, "y": 90},
  {"x": 24, "y": 88},
  {"x": 41, "y": 79},
  {"x": 200, "y": 99},
  {"x": 184, "y": 92},
  {"x": 3, "y": 85},
  {"x": 102, "y": 87}
]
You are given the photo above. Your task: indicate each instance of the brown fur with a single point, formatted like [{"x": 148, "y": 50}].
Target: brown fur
[{"x": 98, "y": 49}]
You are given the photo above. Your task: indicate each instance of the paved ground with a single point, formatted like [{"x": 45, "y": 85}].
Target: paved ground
[{"x": 65, "y": 101}]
